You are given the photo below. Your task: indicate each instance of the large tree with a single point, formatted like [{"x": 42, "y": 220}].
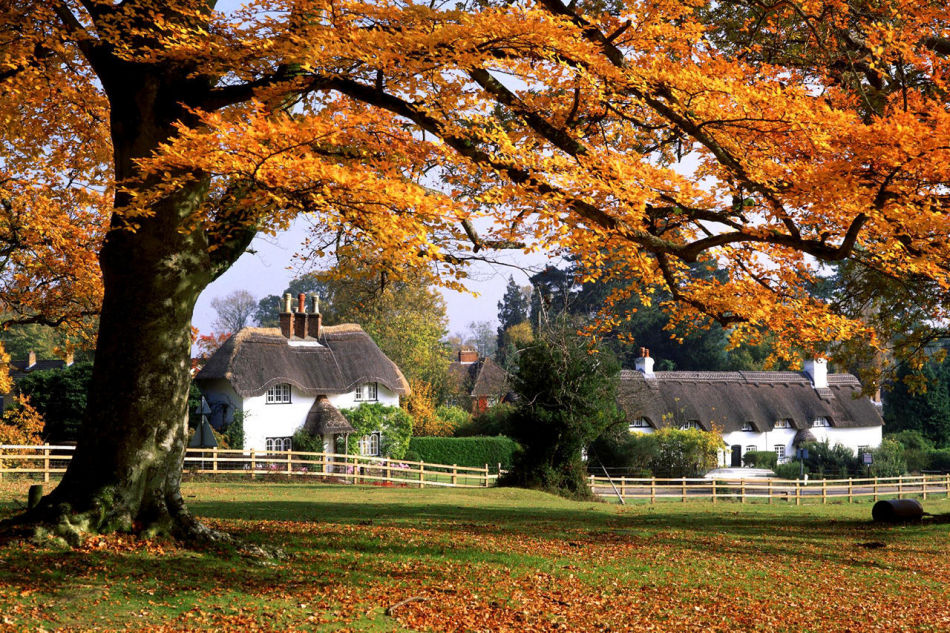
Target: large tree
[{"x": 774, "y": 137}]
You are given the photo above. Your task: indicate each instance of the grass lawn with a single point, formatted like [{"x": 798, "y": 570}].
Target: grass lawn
[{"x": 490, "y": 560}]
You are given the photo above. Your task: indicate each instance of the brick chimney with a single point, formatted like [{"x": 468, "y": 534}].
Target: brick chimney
[
  {"x": 286, "y": 317},
  {"x": 314, "y": 318},
  {"x": 300, "y": 317},
  {"x": 468, "y": 356},
  {"x": 644, "y": 364},
  {"x": 817, "y": 370},
  {"x": 30, "y": 359}
]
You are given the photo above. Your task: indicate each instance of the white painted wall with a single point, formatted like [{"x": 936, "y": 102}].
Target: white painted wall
[
  {"x": 262, "y": 420},
  {"x": 852, "y": 438}
]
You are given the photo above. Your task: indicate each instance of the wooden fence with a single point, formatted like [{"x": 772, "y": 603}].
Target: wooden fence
[
  {"x": 788, "y": 490},
  {"x": 44, "y": 461}
]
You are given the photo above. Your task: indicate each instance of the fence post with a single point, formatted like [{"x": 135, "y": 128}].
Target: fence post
[
  {"x": 684, "y": 489},
  {"x": 389, "y": 471},
  {"x": 422, "y": 474},
  {"x": 214, "y": 459},
  {"x": 770, "y": 492},
  {"x": 486, "y": 475},
  {"x": 923, "y": 486},
  {"x": 900, "y": 487},
  {"x": 46, "y": 462},
  {"x": 455, "y": 474},
  {"x": 714, "y": 491},
  {"x": 875, "y": 489},
  {"x": 798, "y": 492},
  {"x": 290, "y": 464},
  {"x": 253, "y": 463},
  {"x": 742, "y": 491},
  {"x": 850, "y": 490},
  {"x": 824, "y": 491},
  {"x": 2, "y": 467},
  {"x": 652, "y": 489},
  {"x": 947, "y": 481}
]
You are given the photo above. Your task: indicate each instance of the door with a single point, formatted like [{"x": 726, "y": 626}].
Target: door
[{"x": 736, "y": 456}]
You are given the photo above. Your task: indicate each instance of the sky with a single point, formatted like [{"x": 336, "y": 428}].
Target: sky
[{"x": 268, "y": 269}]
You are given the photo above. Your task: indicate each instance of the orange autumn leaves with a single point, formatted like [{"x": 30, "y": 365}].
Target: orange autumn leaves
[{"x": 771, "y": 140}]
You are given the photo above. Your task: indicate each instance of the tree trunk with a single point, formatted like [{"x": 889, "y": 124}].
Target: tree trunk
[{"x": 126, "y": 470}]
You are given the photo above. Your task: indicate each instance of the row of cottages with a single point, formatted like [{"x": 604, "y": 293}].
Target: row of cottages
[
  {"x": 476, "y": 384},
  {"x": 754, "y": 410},
  {"x": 298, "y": 376}
]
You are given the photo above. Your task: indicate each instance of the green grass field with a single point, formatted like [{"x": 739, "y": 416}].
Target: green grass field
[{"x": 490, "y": 560}]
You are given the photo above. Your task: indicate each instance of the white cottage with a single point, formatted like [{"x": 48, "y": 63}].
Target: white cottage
[
  {"x": 754, "y": 410},
  {"x": 298, "y": 375}
]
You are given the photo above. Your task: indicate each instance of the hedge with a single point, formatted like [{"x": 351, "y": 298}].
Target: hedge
[{"x": 465, "y": 451}]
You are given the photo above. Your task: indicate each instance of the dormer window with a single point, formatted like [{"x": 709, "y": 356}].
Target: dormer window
[
  {"x": 820, "y": 421},
  {"x": 278, "y": 394},
  {"x": 783, "y": 424},
  {"x": 366, "y": 392},
  {"x": 747, "y": 426},
  {"x": 691, "y": 424},
  {"x": 638, "y": 424}
]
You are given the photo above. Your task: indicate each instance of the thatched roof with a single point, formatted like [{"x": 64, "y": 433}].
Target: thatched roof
[
  {"x": 255, "y": 359},
  {"x": 324, "y": 419},
  {"x": 481, "y": 378},
  {"x": 728, "y": 400}
]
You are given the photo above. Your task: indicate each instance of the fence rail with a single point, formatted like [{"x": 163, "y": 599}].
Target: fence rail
[
  {"x": 788, "y": 490},
  {"x": 47, "y": 460}
]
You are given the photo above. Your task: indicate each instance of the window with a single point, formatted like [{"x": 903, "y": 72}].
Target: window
[
  {"x": 783, "y": 424},
  {"x": 367, "y": 392},
  {"x": 639, "y": 423},
  {"x": 369, "y": 445},
  {"x": 750, "y": 449},
  {"x": 821, "y": 422},
  {"x": 863, "y": 449},
  {"x": 691, "y": 424},
  {"x": 278, "y": 394},
  {"x": 780, "y": 453},
  {"x": 274, "y": 444},
  {"x": 747, "y": 426}
]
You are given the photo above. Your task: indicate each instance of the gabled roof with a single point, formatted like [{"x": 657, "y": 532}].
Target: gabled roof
[
  {"x": 481, "y": 378},
  {"x": 256, "y": 359},
  {"x": 324, "y": 419},
  {"x": 727, "y": 400}
]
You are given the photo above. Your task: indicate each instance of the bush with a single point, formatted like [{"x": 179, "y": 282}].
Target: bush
[
  {"x": 684, "y": 453},
  {"x": 494, "y": 421},
  {"x": 620, "y": 449},
  {"x": 917, "y": 449},
  {"x": 452, "y": 417},
  {"x": 393, "y": 424},
  {"x": 788, "y": 470},
  {"x": 888, "y": 459},
  {"x": 465, "y": 451},
  {"x": 937, "y": 459},
  {"x": 761, "y": 459},
  {"x": 59, "y": 395},
  {"x": 831, "y": 462}
]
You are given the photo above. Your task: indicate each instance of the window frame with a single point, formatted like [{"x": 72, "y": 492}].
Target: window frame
[
  {"x": 747, "y": 427},
  {"x": 784, "y": 423},
  {"x": 821, "y": 422},
  {"x": 281, "y": 444},
  {"x": 369, "y": 444},
  {"x": 639, "y": 423},
  {"x": 780, "y": 453},
  {"x": 271, "y": 396},
  {"x": 367, "y": 392},
  {"x": 690, "y": 425}
]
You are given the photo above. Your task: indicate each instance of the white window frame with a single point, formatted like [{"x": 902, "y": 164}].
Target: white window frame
[
  {"x": 780, "y": 453},
  {"x": 783, "y": 424},
  {"x": 278, "y": 444},
  {"x": 821, "y": 421},
  {"x": 751, "y": 449},
  {"x": 367, "y": 392},
  {"x": 369, "y": 445},
  {"x": 747, "y": 427},
  {"x": 639, "y": 423},
  {"x": 691, "y": 424},
  {"x": 278, "y": 394}
]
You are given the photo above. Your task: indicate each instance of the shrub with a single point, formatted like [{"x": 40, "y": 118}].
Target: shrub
[
  {"x": 494, "y": 421},
  {"x": 452, "y": 417},
  {"x": 761, "y": 459},
  {"x": 888, "y": 459},
  {"x": 788, "y": 470},
  {"x": 59, "y": 395},
  {"x": 937, "y": 459},
  {"x": 620, "y": 449},
  {"x": 465, "y": 451},
  {"x": 917, "y": 449},
  {"x": 830, "y": 461},
  {"x": 684, "y": 453},
  {"x": 392, "y": 423}
]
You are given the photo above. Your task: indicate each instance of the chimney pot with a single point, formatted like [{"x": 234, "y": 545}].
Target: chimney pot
[
  {"x": 644, "y": 364},
  {"x": 314, "y": 303},
  {"x": 301, "y": 302},
  {"x": 287, "y": 302},
  {"x": 31, "y": 359}
]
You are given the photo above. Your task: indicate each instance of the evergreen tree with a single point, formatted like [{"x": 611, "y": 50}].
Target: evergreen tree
[
  {"x": 908, "y": 408},
  {"x": 566, "y": 391}
]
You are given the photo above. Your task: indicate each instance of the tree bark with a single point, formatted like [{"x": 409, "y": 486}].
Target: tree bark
[{"x": 126, "y": 470}]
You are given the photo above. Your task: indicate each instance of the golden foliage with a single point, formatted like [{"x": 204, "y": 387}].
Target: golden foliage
[{"x": 21, "y": 424}]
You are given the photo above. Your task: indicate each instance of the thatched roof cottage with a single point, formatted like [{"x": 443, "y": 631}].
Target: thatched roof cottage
[
  {"x": 754, "y": 410},
  {"x": 298, "y": 376}
]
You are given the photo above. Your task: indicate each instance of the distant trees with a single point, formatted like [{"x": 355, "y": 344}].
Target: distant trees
[
  {"x": 235, "y": 311},
  {"x": 60, "y": 398},
  {"x": 919, "y": 400}
]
